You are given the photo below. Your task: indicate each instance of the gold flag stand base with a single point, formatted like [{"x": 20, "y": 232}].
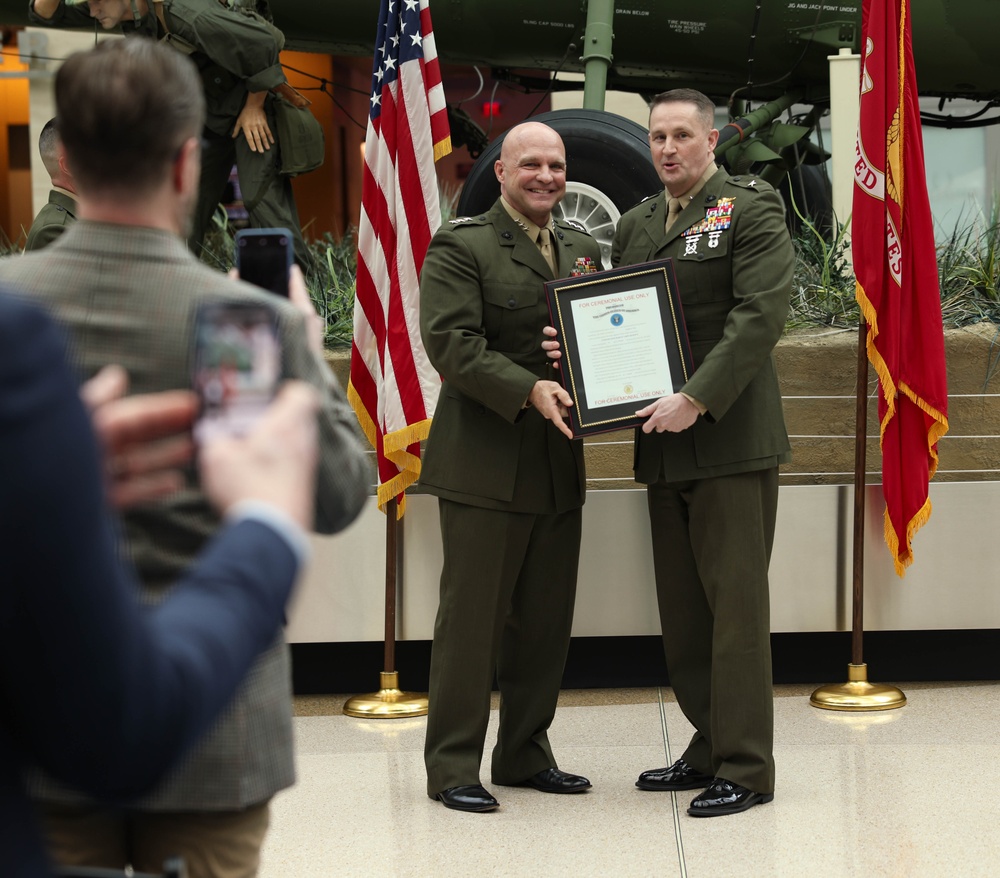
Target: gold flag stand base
[
  {"x": 388, "y": 702},
  {"x": 857, "y": 693}
]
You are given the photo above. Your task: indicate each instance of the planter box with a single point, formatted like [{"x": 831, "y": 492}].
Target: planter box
[{"x": 818, "y": 373}]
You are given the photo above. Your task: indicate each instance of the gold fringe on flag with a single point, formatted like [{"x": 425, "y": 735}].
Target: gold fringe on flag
[
  {"x": 442, "y": 148},
  {"x": 936, "y": 431},
  {"x": 394, "y": 446}
]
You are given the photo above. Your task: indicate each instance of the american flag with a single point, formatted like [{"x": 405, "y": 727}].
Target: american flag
[{"x": 393, "y": 387}]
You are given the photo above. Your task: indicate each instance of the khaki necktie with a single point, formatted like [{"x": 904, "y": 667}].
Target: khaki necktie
[
  {"x": 545, "y": 245},
  {"x": 673, "y": 209}
]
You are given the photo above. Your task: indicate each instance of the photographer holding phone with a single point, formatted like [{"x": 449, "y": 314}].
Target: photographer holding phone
[{"x": 130, "y": 116}]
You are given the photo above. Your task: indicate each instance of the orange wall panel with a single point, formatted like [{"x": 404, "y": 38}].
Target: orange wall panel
[{"x": 15, "y": 185}]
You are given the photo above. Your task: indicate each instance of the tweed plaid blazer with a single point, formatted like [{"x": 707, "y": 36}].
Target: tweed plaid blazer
[{"x": 129, "y": 295}]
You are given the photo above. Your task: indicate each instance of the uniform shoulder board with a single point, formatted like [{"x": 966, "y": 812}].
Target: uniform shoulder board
[
  {"x": 750, "y": 181},
  {"x": 649, "y": 197},
  {"x": 460, "y": 221},
  {"x": 574, "y": 224}
]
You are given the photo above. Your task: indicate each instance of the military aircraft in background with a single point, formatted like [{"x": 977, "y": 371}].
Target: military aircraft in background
[
  {"x": 771, "y": 55},
  {"x": 767, "y": 54}
]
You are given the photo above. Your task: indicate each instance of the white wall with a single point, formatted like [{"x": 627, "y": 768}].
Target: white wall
[{"x": 952, "y": 583}]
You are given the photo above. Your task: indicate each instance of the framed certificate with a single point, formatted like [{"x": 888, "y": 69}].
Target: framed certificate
[{"x": 623, "y": 341}]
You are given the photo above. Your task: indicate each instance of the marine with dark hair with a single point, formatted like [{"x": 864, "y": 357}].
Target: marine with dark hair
[
  {"x": 236, "y": 53},
  {"x": 709, "y": 454}
]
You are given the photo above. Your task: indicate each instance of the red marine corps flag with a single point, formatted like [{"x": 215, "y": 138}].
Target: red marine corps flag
[
  {"x": 393, "y": 387},
  {"x": 896, "y": 267}
]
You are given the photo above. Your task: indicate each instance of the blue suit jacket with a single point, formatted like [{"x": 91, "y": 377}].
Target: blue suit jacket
[{"x": 100, "y": 692}]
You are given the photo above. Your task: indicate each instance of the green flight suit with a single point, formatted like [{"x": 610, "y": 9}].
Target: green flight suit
[
  {"x": 511, "y": 488},
  {"x": 58, "y": 213},
  {"x": 235, "y": 53},
  {"x": 712, "y": 489}
]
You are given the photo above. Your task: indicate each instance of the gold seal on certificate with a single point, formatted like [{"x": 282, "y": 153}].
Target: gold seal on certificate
[{"x": 623, "y": 340}]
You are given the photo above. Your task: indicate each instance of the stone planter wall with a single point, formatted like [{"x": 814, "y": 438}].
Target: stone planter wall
[{"x": 818, "y": 373}]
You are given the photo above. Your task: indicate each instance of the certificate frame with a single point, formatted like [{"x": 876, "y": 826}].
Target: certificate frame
[{"x": 634, "y": 309}]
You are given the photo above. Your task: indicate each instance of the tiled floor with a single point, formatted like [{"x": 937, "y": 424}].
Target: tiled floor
[{"x": 907, "y": 792}]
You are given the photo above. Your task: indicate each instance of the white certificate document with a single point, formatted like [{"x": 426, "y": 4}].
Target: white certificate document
[{"x": 622, "y": 351}]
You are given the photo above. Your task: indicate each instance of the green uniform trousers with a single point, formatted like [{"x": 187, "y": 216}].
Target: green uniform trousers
[
  {"x": 508, "y": 586},
  {"x": 712, "y": 542}
]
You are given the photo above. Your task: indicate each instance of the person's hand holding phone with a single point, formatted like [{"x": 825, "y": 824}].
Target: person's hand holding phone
[{"x": 274, "y": 462}]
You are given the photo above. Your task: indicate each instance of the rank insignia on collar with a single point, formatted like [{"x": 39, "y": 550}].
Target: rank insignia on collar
[{"x": 583, "y": 265}]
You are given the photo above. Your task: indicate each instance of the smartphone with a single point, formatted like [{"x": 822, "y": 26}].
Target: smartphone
[
  {"x": 264, "y": 257},
  {"x": 237, "y": 366}
]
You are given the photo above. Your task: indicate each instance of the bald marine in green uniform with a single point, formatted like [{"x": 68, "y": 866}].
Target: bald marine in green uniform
[
  {"x": 509, "y": 477},
  {"x": 709, "y": 455}
]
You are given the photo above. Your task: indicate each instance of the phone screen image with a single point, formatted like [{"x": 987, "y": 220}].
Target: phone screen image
[
  {"x": 237, "y": 367},
  {"x": 263, "y": 258}
]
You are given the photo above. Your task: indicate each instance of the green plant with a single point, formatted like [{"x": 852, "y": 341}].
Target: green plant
[
  {"x": 332, "y": 284},
  {"x": 219, "y": 244},
  {"x": 969, "y": 267},
  {"x": 448, "y": 195},
  {"x": 8, "y": 247},
  {"x": 330, "y": 279},
  {"x": 823, "y": 282}
]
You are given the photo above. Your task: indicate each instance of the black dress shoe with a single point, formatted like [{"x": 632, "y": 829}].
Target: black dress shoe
[
  {"x": 726, "y": 797},
  {"x": 552, "y": 780},
  {"x": 679, "y": 776},
  {"x": 471, "y": 797}
]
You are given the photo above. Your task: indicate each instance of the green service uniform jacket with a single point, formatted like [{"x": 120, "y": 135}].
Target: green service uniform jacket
[
  {"x": 482, "y": 310},
  {"x": 129, "y": 295},
  {"x": 511, "y": 490},
  {"x": 52, "y": 220},
  {"x": 733, "y": 260}
]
